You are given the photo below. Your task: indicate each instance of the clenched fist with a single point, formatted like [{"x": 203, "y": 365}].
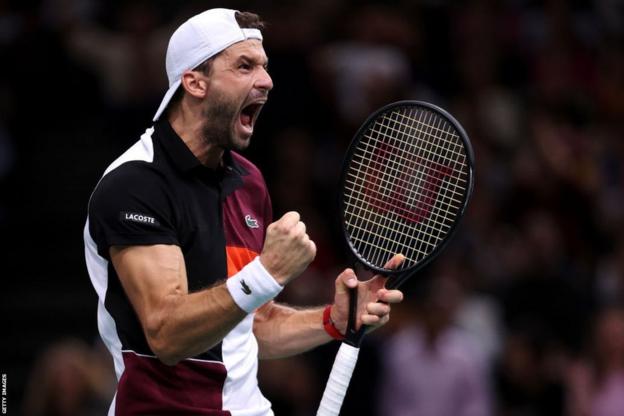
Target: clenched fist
[{"x": 287, "y": 248}]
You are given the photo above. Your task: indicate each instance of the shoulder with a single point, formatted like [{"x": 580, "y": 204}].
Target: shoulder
[
  {"x": 130, "y": 184},
  {"x": 135, "y": 164},
  {"x": 140, "y": 151},
  {"x": 129, "y": 176},
  {"x": 245, "y": 163},
  {"x": 253, "y": 175}
]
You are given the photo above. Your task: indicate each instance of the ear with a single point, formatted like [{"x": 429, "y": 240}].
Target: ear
[{"x": 195, "y": 84}]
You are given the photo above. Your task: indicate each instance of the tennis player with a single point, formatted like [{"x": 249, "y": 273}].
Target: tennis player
[{"x": 181, "y": 248}]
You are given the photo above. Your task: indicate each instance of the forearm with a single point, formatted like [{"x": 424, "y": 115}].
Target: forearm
[
  {"x": 178, "y": 324},
  {"x": 192, "y": 323},
  {"x": 283, "y": 331}
]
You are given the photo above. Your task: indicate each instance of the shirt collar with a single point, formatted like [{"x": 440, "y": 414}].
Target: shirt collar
[{"x": 183, "y": 158}]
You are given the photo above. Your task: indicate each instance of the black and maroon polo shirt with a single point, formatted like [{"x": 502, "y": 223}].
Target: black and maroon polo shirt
[{"x": 158, "y": 192}]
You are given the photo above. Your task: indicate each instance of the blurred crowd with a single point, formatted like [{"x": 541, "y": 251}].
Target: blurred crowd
[{"x": 522, "y": 315}]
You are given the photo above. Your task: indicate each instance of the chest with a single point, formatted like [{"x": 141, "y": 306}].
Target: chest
[{"x": 219, "y": 231}]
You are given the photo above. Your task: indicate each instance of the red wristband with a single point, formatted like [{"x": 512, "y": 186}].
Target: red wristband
[{"x": 329, "y": 326}]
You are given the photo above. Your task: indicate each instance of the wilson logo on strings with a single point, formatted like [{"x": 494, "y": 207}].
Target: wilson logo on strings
[{"x": 414, "y": 188}]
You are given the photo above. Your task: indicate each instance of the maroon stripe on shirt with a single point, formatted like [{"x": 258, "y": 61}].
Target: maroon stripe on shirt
[
  {"x": 149, "y": 387},
  {"x": 247, "y": 211}
]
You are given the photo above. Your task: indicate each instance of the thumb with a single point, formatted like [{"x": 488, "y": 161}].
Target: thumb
[
  {"x": 395, "y": 261},
  {"x": 290, "y": 219},
  {"x": 345, "y": 281}
]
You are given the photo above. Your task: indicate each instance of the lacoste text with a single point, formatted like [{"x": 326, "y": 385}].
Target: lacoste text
[{"x": 144, "y": 219}]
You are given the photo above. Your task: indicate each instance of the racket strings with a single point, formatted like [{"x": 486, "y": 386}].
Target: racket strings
[
  {"x": 377, "y": 215},
  {"x": 424, "y": 188},
  {"x": 365, "y": 152},
  {"x": 362, "y": 234},
  {"x": 399, "y": 158},
  {"x": 428, "y": 237},
  {"x": 408, "y": 179},
  {"x": 396, "y": 234},
  {"x": 393, "y": 165},
  {"x": 448, "y": 139},
  {"x": 434, "y": 148},
  {"x": 451, "y": 142},
  {"x": 441, "y": 152},
  {"x": 394, "y": 202}
]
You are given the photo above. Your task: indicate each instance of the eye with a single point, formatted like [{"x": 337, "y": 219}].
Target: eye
[{"x": 245, "y": 66}]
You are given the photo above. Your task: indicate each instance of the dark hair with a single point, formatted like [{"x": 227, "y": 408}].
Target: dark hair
[{"x": 245, "y": 20}]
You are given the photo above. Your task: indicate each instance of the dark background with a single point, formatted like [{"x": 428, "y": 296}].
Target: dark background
[{"x": 535, "y": 276}]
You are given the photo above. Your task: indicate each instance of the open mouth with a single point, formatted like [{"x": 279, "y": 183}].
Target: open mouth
[{"x": 249, "y": 114}]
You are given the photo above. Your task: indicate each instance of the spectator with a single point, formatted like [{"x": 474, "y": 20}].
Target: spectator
[
  {"x": 596, "y": 382},
  {"x": 429, "y": 366}
]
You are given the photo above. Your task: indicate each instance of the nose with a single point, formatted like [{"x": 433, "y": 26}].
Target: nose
[{"x": 264, "y": 81}]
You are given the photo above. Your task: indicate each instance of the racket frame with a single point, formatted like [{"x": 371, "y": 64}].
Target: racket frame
[
  {"x": 401, "y": 274},
  {"x": 346, "y": 359},
  {"x": 354, "y": 337}
]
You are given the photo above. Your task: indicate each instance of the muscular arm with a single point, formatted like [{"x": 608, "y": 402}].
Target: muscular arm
[
  {"x": 176, "y": 324},
  {"x": 179, "y": 325},
  {"x": 283, "y": 331}
]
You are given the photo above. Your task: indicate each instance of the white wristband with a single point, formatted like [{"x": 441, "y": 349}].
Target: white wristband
[{"x": 253, "y": 286}]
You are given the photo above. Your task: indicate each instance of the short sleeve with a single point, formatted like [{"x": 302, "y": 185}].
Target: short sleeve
[{"x": 132, "y": 205}]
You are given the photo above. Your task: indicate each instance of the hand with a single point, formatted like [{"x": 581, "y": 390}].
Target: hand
[
  {"x": 369, "y": 311},
  {"x": 287, "y": 248}
]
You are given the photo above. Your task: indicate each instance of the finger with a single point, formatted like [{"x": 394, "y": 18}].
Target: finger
[
  {"x": 395, "y": 261},
  {"x": 368, "y": 319},
  {"x": 290, "y": 219},
  {"x": 312, "y": 248},
  {"x": 299, "y": 228},
  {"x": 379, "y": 309},
  {"x": 390, "y": 296},
  {"x": 345, "y": 281}
]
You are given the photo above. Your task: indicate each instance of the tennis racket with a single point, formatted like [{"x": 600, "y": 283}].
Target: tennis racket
[{"x": 406, "y": 180}]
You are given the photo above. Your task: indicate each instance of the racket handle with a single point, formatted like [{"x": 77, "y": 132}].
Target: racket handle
[{"x": 338, "y": 382}]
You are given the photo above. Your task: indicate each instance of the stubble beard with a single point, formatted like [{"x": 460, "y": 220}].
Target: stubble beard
[{"x": 219, "y": 118}]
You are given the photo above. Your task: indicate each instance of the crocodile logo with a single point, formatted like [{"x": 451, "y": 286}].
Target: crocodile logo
[
  {"x": 246, "y": 290},
  {"x": 251, "y": 222}
]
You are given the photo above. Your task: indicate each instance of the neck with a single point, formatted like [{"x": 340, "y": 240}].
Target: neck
[{"x": 190, "y": 130}]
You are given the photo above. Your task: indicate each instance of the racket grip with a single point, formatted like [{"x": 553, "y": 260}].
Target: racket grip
[{"x": 338, "y": 382}]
